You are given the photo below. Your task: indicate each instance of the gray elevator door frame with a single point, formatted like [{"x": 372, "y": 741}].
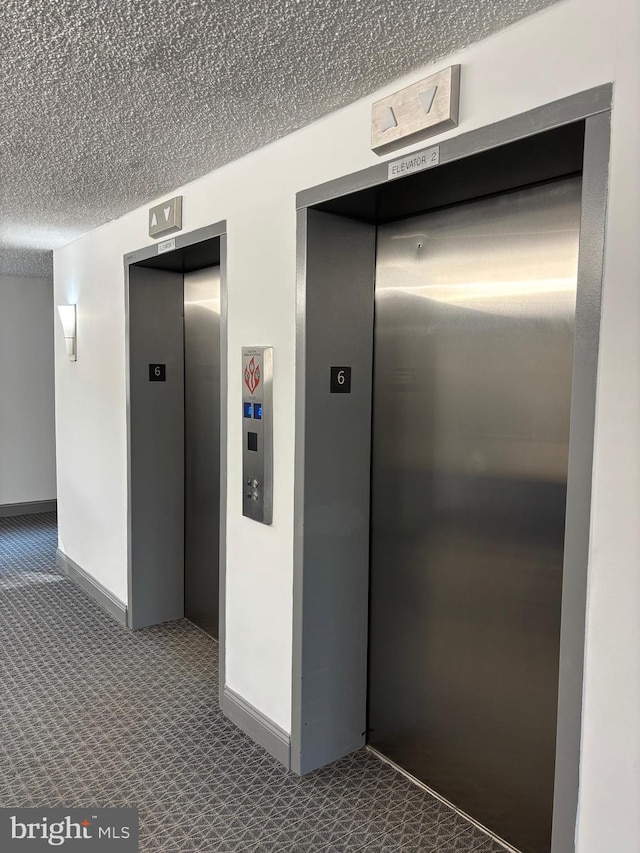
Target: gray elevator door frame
[
  {"x": 156, "y": 549},
  {"x": 156, "y": 417},
  {"x": 548, "y": 142}
]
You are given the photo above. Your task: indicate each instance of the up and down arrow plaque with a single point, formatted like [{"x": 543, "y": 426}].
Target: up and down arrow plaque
[
  {"x": 165, "y": 218},
  {"x": 427, "y": 107}
]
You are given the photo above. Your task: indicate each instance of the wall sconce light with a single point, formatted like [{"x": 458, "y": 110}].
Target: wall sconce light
[{"x": 68, "y": 318}]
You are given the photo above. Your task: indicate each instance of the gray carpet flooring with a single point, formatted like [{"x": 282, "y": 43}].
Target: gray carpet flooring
[{"x": 92, "y": 714}]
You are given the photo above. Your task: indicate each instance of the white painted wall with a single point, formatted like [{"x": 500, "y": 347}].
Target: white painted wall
[
  {"x": 609, "y": 816},
  {"x": 572, "y": 46},
  {"x": 27, "y": 437}
]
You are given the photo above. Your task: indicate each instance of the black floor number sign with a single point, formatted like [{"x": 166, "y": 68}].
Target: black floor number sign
[
  {"x": 340, "y": 380},
  {"x": 157, "y": 373}
]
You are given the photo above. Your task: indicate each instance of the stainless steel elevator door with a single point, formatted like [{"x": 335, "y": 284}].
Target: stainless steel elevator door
[
  {"x": 473, "y": 347},
  {"x": 202, "y": 446}
]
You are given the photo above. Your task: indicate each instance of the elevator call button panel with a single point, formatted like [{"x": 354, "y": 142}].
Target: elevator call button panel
[{"x": 257, "y": 433}]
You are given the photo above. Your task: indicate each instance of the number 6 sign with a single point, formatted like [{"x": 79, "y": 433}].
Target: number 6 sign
[
  {"x": 157, "y": 373},
  {"x": 340, "y": 380}
]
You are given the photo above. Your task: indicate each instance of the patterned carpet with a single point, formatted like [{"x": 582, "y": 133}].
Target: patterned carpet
[{"x": 92, "y": 714}]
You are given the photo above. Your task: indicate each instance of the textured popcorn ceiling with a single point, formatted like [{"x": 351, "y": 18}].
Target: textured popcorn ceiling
[{"x": 105, "y": 104}]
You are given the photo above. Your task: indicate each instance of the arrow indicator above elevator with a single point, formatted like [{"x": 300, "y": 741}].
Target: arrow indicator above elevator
[
  {"x": 426, "y": 107},
  {"x": 389, "y": 120},
  {"x": 427, "y": 98},
  {"x": 166, "y": 217}
]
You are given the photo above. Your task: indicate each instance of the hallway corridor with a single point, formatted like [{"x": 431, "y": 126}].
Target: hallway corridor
[{"x": 93, "y": 714}]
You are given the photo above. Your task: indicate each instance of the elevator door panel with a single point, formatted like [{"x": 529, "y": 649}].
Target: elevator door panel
[
  {"x": 202, "y": 446},
  {"x": 473, "y": 352}
]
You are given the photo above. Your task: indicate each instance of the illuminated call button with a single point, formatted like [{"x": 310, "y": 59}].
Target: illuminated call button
[
  {"x": 247, "y": 409},
  {"x": 257, "y": 411}
]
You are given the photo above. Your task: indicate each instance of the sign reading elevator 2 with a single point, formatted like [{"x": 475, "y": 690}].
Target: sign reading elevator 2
[{"x": 257, "y": 433}]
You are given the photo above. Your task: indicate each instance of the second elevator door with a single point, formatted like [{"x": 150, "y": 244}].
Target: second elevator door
[
  {"x": 472, "y": 385},
  {"x": 202, "y": 447}
]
